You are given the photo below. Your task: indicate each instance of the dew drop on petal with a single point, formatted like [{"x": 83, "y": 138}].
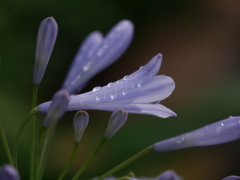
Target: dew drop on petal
[
  {"x": 113, "y": 94},
  {"x": 96, "y": 88},
  {"x": 181, "y": 140},
  {"x": 99, "y": 97},
  {"x": 124, "y": 91},
  {"x": 140, "y": 82},
  {"x": 110, "y": 84},
  {"x": 126, "y": 77},
  {"x": 141, "y": 67}
]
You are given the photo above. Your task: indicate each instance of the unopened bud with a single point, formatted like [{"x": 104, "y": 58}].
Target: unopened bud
[
  {"x": 117, "y": 120},
  {"x": 168, "y": 175},
  {"x": 8, "y": 172},
  {"x": 47, "y": 34},
  {"x": 58, "y": 106},
  {"x": 80, "y": 123}
]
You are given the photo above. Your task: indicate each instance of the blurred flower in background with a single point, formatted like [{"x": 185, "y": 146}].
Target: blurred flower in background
[{"x": 199, "y": 41}]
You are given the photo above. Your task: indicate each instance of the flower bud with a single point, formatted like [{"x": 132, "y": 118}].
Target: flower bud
[
  {"x": 58, "y": 106},
  {"x": 168, "y": 175},
  {"x": 117, "y": 120},
  {"x": 80, "y": 123},
  {"x": 232, "y": 178},
  {"x": 47, "y": 34},
  {"x": 8, "y": 172}
]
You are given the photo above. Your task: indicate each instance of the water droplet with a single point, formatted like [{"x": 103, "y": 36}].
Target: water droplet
[
  {"x": 113, "y": 94},
  {"x": 140, "y": 82},
  {"x": 219, "y": 128},
  {"x": 124, "y": 91},
  {"x": 73, "y": 95},
  {"x": 126, "y": 77},
  {"x": 141, "y": 67},
  {"x": 102, "y": 49},
  {"x": 87, "y": 66},
  {"x": 181, "y": 140},
  {"x": 96, "y": 88},
  {"x": 110, "y": 84},
  {"x": 99, "y": 97}
]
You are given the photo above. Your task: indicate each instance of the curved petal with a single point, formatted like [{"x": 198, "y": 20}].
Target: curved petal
[
  {"x": 85, "y": 52},
  {"x": 140, "y": 83}
]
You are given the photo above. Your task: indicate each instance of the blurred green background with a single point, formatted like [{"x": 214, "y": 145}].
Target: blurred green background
[{"x": 200, "y": 44}]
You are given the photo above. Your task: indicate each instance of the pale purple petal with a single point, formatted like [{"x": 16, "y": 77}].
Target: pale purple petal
[
  {"x": 232, "y": 178},
  {"x": 220, "y": 132},
  {"x": 73, "y": 81},
  {"x": 112, "y": 47},
  {"x": 47, "y": 34},
  {"x": 144, "y": 87}
]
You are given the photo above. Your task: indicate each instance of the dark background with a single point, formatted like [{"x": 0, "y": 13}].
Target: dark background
[{"x": 200, "y": 43}]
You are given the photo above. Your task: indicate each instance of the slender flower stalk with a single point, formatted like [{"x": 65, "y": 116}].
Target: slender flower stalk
[
  {"x": 125, "y": 163},
  {"x": 134, "y": 93},
  {"x": 66, "y": 168},
  {"x": 80, "y": 123},
  {"x": 19, "y": 132},
  {"x": 89, "y": 160},
  {"x": 5, "y": 144},
  {"x": 33, "y": 134}
]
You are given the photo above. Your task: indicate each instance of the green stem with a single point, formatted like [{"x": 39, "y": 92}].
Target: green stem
[
  {"x": 5, "y": 144},
  {"x": 125, "y": 163},
  {"x": 38, "y": 152},
  {"x": 66, "y": 168},
  {"x": 33, "y": 134},
  {"x": 45, "y": 148},
  {"x": 20, "y": 129},
  {"x": 85, "y": 165}
]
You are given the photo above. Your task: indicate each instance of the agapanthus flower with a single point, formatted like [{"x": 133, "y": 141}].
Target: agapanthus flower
[
  {"x": 220, "y": 132},
  {"x": 137, "y": 93},
  {"x": 95, "y": 54}
]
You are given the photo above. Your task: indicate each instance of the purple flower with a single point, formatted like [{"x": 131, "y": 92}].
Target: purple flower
[
  {"x": 47, "y": 34},
  {"x": 97, "y": 53},
  {"x": 135, "y": 93},
  {"x": 7, "y": 172},
  {"x": 117, "y": 120},
  {"x": 220, "y": 132},
  {"x": 232, "y": 178}
]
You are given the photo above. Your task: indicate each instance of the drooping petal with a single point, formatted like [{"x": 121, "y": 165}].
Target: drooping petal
[
  {"x": 73, "y": 81},
  {"x": 47, "y": 34},
  {"x": 220, "y": 132}
]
